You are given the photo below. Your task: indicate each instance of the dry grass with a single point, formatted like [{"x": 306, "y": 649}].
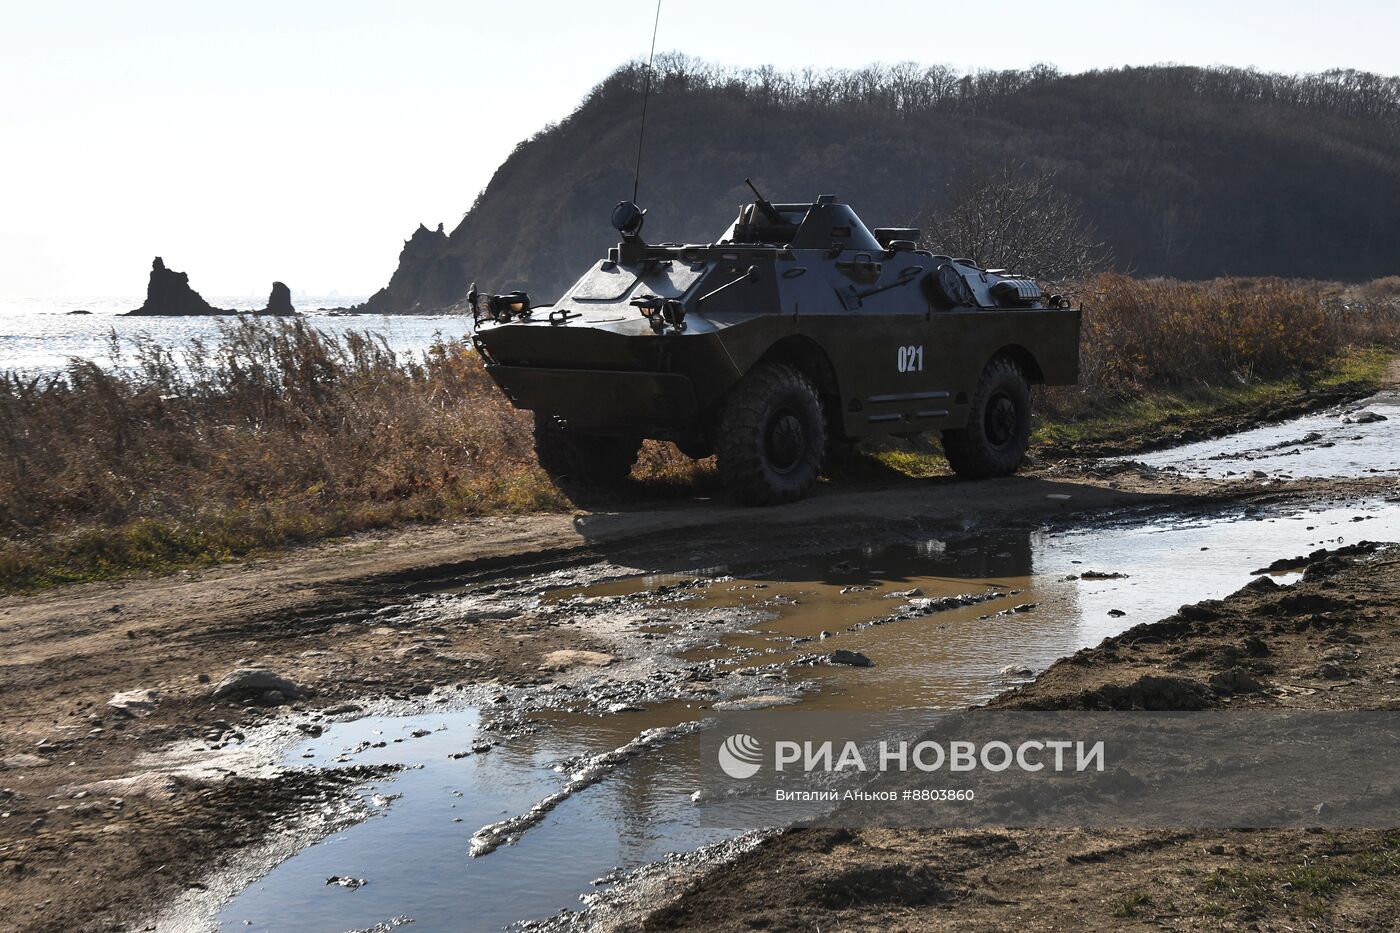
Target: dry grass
[
  {"x": 276, "y": 434},
  {"x": 1191, "y": 338},
  {"x": 1383, "y": 289}
]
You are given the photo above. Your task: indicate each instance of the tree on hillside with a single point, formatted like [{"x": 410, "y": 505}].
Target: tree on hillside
[
  {"x": 1186, "y": 172},
  {"x": 1013, "y": 217}
]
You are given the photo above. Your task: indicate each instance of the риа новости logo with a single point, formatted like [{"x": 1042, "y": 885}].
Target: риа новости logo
[{"x": 740, "y": 755}]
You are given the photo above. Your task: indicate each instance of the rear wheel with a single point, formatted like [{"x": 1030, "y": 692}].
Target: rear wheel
[
  {"x": 569, "y": 455},
  {"x": 771, "y": 436},
  {"x": 998, "y": 427}
]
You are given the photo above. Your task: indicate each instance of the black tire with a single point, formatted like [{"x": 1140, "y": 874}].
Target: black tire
[
  {"x": 998, "y": 427},
  {"x": 568, "y": 455},
  {"x": 771, "y": 436},
  {"x": 840, "y": 450}
]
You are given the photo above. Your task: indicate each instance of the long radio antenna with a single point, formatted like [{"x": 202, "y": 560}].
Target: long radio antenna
[{"x": 646, "y": 93}]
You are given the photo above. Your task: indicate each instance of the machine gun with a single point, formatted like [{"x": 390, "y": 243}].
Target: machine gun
[{"x": 765, "y": 205}]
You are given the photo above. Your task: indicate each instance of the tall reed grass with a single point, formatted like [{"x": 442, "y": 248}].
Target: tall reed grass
[
  {"x": 1195, "y": 339},
  {"x": 271, "y": 434},
  {"x": 275, "y": 433}
]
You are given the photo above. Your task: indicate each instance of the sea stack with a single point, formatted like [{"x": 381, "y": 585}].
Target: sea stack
[
  {"x": 430, "y": 278},
  {"x": 280, "y": 301},
  {"x": 169, "y": 293}
]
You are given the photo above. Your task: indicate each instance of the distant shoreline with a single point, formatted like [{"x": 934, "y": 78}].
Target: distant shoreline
[{"x": 45, "y": 339}]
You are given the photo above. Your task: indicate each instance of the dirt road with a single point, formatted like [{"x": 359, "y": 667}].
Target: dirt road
[
  {"x": 99, "y": 827},
  {"x": 1328, "y": 642},
  {"x": 78, "y": 852}
]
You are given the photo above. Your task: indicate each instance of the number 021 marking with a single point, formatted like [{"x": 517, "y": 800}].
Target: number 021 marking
[{"x": 911, "y": 359}]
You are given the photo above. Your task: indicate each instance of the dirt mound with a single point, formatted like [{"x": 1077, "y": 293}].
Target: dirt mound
[{"x": 1148, "y": 692}]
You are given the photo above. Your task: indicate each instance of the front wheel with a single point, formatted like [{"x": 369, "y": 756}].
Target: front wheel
[
  {"x": 998, "y": 426},
  {"x": 569, "y": 455},
  {"x": 771, "y": 436}
]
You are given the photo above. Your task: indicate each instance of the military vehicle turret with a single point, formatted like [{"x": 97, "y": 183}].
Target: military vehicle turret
[{"x": 798, "y": 328}]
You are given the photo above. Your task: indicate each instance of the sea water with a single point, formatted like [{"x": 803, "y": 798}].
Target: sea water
[{"x": 42, "y": 336}]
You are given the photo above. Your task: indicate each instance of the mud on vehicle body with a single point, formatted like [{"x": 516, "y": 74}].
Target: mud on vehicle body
[{"x": 799, "y": 326}]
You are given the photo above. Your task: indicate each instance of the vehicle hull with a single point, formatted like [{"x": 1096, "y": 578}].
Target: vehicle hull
[{"x": 894, "y": 373}]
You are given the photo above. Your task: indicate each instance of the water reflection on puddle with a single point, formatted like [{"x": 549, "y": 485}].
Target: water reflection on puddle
[
  {"x": 1337, "y": 442},
  {"x": 414, "y": 855}
]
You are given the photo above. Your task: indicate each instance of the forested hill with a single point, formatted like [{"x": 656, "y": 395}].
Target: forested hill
[{"x": 1188, "y": 172}]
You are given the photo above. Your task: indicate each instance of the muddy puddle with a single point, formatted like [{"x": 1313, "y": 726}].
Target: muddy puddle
[
  {"x": 584, "y": 781},
  {"x": 1360, "y": 439}
]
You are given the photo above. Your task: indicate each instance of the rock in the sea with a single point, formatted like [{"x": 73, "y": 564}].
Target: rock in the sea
[
  {"x": 1365, "y": 416},
  {"x": 280, "y": 301},
  {"x": 169, "y": 293},
  {"x": 257, "y": 682},
  {"x": 134, "y": 702}
]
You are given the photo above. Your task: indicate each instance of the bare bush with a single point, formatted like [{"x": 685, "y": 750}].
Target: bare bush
[{"x": 1014, "y": 218}]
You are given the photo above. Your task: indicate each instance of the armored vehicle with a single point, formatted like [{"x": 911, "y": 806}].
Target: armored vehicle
[{"x": 799, "y": 328}]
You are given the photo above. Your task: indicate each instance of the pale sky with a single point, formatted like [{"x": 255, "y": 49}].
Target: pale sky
[{"x": 303, "y": 141}]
